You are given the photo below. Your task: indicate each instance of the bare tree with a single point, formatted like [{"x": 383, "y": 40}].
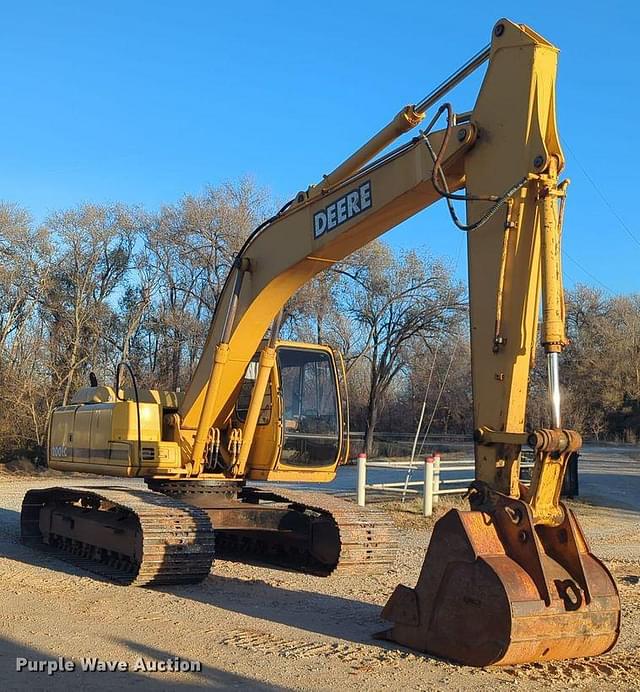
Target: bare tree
[
  {"x": 22, "y": 249},
  {"x": 398, "y": 300},
  {"x": 94, "y": 246},
  {"x": 189, "y": 248}
]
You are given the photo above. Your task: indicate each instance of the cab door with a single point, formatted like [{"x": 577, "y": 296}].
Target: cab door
[{"x": 311, "y": 415}]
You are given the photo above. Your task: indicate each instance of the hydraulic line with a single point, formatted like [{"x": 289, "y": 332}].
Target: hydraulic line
[
  {"x": 444, "y": 189},
  {"x": 125, "y": 364}
]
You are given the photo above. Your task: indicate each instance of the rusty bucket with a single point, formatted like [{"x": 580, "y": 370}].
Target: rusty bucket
[{"x": 494, "y": 590}]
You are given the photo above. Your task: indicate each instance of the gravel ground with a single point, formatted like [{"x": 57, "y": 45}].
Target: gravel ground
[{"x": 264, "y": 629}]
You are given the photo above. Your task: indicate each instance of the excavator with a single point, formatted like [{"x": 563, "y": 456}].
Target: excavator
[{"x": 510, "y": 580}]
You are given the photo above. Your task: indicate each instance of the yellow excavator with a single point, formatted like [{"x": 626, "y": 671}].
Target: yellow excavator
[{"x": 512, "y": 579}]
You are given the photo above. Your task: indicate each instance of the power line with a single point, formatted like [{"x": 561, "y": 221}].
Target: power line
[
  {"x": 569, "y": 276},
  {"x": 435, "y": 406},
  {"x": 603, "y": 197},
  {"x": 588, "y": 273}
]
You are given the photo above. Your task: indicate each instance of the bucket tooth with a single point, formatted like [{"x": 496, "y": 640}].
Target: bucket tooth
[{"x": 494, "y": 590}]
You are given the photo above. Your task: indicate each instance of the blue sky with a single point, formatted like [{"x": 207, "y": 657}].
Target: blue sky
[{"x": 143, "y": 102}]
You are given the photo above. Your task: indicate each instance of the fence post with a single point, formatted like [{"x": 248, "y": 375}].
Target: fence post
[
  {"x": 436, "y": 477},
  {"x": 427, "y": 496},
  {"x": 362, "y": 478}
]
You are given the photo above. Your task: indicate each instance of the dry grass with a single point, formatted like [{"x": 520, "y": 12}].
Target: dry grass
[
  {"x": 408, "y": 514},
  {"x": 25, "y": 468}
]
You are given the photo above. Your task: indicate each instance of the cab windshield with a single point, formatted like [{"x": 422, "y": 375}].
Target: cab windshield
[{"x": 310, "y": 407}]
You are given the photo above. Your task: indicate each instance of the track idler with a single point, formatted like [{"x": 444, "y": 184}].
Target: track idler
[{"x": 495, "y": 589}]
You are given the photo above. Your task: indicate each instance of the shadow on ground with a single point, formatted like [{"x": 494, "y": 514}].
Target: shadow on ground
[{"x": 325, "y": 614}]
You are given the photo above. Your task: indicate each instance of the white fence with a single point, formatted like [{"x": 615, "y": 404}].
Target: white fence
[{"x": 435, "y": 479}]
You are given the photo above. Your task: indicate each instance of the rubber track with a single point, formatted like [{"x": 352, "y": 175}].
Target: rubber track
[{"x": 178, "y": 539}]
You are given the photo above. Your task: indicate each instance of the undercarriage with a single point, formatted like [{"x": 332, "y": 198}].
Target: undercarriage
[{"x": 166, "y": 535}]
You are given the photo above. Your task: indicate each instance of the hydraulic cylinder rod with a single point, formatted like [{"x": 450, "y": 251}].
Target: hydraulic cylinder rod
[
  {"x": 553, "y": 374},
  {"x": 455, "y": 79},
  {"x": 405, "y": 120}
]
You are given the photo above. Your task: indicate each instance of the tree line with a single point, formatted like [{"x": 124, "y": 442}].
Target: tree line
[{"x": 94, "y": 285}]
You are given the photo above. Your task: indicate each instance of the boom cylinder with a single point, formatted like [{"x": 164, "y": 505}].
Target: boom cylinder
[
  {"x": 219, "y": 361},
  {"x": 265, "y": 366},
  {"x": 403, "y": 122},
  {"x": 553, "y": 328}
]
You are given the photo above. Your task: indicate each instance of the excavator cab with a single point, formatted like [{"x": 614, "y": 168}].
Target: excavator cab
[{"x": 302, "y": 422}]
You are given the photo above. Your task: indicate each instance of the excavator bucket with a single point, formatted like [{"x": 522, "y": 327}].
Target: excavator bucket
[{"x": 494, "y": 590}]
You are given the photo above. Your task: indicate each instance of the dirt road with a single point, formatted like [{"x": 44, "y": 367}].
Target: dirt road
[{"x": 263, "y": 629}]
